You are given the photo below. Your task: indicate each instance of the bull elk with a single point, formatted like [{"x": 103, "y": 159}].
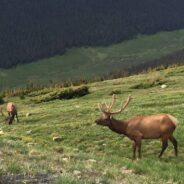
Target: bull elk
[
  {"x": 140, "y": 127},
  {"x": 12, "y": 112}
]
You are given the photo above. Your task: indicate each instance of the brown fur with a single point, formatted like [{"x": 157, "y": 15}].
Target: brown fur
[
  {"x": 12, "y": 112},
  {"x": 143, "y": 127}
]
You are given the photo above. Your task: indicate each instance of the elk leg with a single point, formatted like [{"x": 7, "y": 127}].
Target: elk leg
[
  {"x": 137, "y": 136},
  {"x": 164, "y": 146},
  {"x": 139, "y": 148},
  {"x": 134, "y": 150},
  {"x": 9, "y": 114},
  {"x": 11, "y": 119},
  {"x": 17, "y": 117},
  {"x": 175, "y": 144}
]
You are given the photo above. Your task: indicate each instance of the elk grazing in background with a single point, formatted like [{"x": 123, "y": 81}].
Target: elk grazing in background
[
  {"x": 12, "y": 112},
  {"x": 140, "y": 127}
]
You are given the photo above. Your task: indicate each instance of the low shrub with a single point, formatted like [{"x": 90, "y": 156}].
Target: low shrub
[
  {"x": 146, "y": 85},
  {"x": 116, "y": 92},
  {"x": 65, "y": 93},
  {"x": 22, "y": 97},
  {"x": 41, "y": 92},
  {"x": 152, "y": 81},
  {"x": 1, "y": 100},
  {"x": 73, "y": 93}
]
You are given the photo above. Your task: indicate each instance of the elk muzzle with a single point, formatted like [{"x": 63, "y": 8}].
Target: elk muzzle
[{"x": 97, "y": 121}]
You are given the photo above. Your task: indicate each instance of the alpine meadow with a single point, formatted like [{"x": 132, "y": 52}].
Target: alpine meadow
[{"x": 86, "y": 152}]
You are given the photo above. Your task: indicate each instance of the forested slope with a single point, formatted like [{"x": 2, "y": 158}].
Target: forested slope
[
  {"x": 92, "y": 63},
  {"x": 31, "y": 29}
]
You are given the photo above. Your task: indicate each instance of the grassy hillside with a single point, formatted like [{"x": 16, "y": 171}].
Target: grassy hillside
[
  {"x": 91, "y": 62},
  {"x": 89, "y": 153}
]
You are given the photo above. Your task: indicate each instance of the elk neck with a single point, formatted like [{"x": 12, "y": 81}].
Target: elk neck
[{"x": 118, "y": 126}]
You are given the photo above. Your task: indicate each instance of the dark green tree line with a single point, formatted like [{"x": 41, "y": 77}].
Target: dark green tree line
[{"x": 34, "y": 29}]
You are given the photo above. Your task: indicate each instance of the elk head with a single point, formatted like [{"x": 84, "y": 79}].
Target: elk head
[{"x": 107, "y": 114}]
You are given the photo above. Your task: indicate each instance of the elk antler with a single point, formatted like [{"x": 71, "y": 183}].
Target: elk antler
[
  {"x": 123, "y": 105},
  {"x": 109, "y": 107},
  {"x": 101, "y": 107}
]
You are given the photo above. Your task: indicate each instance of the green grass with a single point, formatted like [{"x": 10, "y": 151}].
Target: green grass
[
  {"x": 90, "y": 62},
  {"x": 89, "y": 153}
]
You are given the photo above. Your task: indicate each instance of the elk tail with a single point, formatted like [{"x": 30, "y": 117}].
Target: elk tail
[{"x": 173, "y": 119}]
